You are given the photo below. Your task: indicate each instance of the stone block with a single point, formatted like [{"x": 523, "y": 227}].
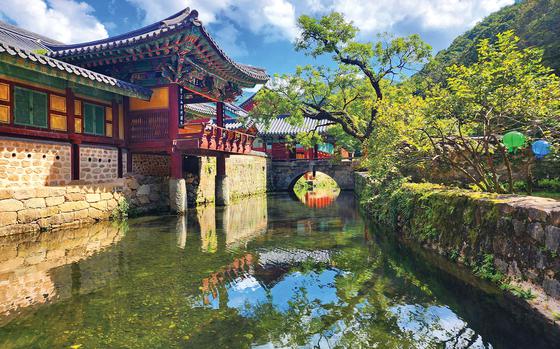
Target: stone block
[
  {"x": 112, "y": 204},
  {"x": 81, "y": 214},
  {"x": 106, "y": 196},
  {"x": 22, "y": 194},
  {"x": 95, "y": 213},
  {"x": 143, "y": 199},
  {"x": 536, "y": 231},
  {"x": 35, "y": 203},
  {"x": 73, "y": 206},
  {"x": 552, "y": 237},
  {"x": 49, "y": 191},
  {"x": 518, "y": 226},
  {"x": 100, "y": 205},
  {"x": 552, "y": 287},
  {"x": 54, "y": 201},
  {"x": 93, "y": 197},
  {"x": 10, "y": 205},
  {"x": 143, "y": 190},
  {"x": 8, "y": 218},
  {"x": 75, "y": 196}
]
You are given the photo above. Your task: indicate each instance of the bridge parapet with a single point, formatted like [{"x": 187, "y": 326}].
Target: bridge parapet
[{"x": 282, "y": 175}]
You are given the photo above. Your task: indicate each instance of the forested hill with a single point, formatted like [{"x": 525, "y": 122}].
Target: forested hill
[{"x": 536, "y": 22}]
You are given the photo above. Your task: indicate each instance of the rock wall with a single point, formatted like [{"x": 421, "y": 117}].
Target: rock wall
[
  {"x": 43, "y": 208},
  {"x": 150, "y": 165},
  {"x": 98, "y": 164},
  {"x": 33, "y": 163},
  {"x": 519, "y": 235},
  {"x": 246, "y": 175},
  {"x": 31, "y": 264}
]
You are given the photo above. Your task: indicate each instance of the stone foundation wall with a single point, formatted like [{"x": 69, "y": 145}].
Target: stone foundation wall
[
  {"x": 44, "y": 208},
  {"x": 520, "y": 234},
  {"x": 33, "y": 163},
  {"x": 246, "y": 175},
  {"x": 98, "y": 164},
  {"x": 150, "y": 165}
]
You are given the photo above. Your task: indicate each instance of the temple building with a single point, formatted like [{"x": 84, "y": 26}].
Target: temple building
[{"x": 131, "y": 103}]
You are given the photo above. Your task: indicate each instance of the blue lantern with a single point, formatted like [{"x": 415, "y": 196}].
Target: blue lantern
[{"x": 540, "y": 148}]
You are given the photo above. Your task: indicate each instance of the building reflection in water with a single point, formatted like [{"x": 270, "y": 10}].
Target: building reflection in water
[
  {"x": 319, "y": 199},
  {"x": 28, "y": 262},
  {"x": 239, "y": 221}
]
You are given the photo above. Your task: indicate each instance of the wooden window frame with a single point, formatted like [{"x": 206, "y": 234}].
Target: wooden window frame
[{"x": 32, "y": 124}]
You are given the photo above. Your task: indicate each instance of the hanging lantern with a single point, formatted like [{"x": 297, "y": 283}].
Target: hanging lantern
[
  {"x": 540, "y": 148},
  {"x": 513, "y": 140}
]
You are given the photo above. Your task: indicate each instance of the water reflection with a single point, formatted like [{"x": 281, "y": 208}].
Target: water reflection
[
  {"x": 267, "y": 273},
  {"x": 27, "y": 259}
]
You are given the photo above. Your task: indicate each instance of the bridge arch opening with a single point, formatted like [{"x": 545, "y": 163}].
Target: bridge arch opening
[{"x": 315, "y": 189}]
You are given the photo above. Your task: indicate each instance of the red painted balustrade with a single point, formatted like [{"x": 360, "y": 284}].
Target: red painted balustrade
[{"x": 211, "y": 137}]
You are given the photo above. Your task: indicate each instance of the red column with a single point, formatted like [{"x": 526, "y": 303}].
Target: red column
[
  {"x": 70, "y": 129},
  {"x": 176, "y": 170},
  {"x": 220, "y": 114}
]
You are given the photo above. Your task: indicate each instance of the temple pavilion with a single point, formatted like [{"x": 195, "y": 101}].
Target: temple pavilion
[{"x": 138, "y": 93}]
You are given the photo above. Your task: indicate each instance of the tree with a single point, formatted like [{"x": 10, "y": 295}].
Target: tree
[
  {"x": 349, "y": 95},
  {"x": 506, "y": 89}
]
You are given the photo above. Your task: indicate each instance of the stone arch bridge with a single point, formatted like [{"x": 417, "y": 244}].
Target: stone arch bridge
[{"x": 282, "y": 175}]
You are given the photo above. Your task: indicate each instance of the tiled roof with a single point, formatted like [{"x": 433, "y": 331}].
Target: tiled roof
[
  {"x": 80, "y": 75},
  {"x": 280, "y": 127},
  {"x": 24, "y": 39},
  {"x": 209, "y": 109},
  {"x": 182, "y": 20},
  {"x": 17, "y": 43}
]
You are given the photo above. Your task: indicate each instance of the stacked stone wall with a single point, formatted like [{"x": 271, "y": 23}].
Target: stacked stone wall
[
  {"x": 98, "y": 164},
  {"x": 521, "y": 234},
  {"x": 25, "y": 163},
  {"x": 247, "y": 175},
  {"x": 44, "y": 208},
  {"x": 150, "y": 165}
]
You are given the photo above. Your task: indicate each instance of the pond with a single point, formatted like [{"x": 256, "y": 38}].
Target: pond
[{"x": 266, "y": 272}]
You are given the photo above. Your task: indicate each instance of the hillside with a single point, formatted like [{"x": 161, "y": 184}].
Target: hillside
[{"x": 536, "y": 22}]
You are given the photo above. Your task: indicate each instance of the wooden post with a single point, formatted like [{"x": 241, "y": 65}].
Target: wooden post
[
  {"x": 220, "y": 114},
  {"x": 173, "y": 112},
  {"x": 70, "y": 129}
]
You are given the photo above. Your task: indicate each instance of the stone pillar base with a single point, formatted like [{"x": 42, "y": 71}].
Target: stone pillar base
[
  {"x": 222, "y": 191},
  {"x": 178, "y": 196}
]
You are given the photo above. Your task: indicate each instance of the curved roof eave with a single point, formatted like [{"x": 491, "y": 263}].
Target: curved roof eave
[{"x": 178, "y": 21}]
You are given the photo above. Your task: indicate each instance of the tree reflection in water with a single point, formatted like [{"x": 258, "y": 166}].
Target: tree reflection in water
[{"x": 266, "y": 273}]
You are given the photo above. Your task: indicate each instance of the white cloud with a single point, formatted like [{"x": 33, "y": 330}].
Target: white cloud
[
  {"x": 68, "y": 21},
  {"x": 276, "y": 19}
]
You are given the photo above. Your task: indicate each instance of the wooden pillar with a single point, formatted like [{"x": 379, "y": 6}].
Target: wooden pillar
[
  {"x": 173, "y": 112},
  {"x": 70, "y": 129},
  {"x": 220, "y": 114},
  {"x": 119, "y": 160}
]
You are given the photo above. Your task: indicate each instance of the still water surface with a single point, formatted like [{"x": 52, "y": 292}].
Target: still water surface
[{"x": 266, "y": 272}]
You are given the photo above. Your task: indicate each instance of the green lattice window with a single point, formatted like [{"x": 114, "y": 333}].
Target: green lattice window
[
  {"x": 94, "y": 119},
  {"x": 30, "y": 107}
]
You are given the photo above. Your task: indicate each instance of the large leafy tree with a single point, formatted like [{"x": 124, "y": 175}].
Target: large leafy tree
[
  {"x": 506, "y": 89},
  {"x": 348, "y": 95}
]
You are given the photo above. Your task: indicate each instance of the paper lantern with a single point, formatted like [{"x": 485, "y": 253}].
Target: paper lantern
[
  {"x": 540, "y": 148},
  {"x": 513, "y": 140}
]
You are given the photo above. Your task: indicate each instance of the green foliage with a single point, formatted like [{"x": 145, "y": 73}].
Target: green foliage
[
  {"x": 536, "y": 22},
  {"x": 485, "y": 269},
  {"x": 518, "y": 291},
  {"x": 348, "y": 96},
  {"x": 505, "y": 89},
  {"x": 122, "y": 210}
]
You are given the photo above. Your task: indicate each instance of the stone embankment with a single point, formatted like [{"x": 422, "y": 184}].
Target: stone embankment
[
  {"x": 44, "y": 208},
  {"x": 519, "y": 236}
]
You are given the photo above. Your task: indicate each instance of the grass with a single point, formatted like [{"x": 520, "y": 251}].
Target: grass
[{"x": 546, "y": 194}]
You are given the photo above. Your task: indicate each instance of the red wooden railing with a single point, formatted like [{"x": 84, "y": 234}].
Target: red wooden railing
[{"x": 217, "y": 138}]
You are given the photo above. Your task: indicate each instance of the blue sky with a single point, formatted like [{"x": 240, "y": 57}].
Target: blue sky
[{"x": 257, "y": 32}]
